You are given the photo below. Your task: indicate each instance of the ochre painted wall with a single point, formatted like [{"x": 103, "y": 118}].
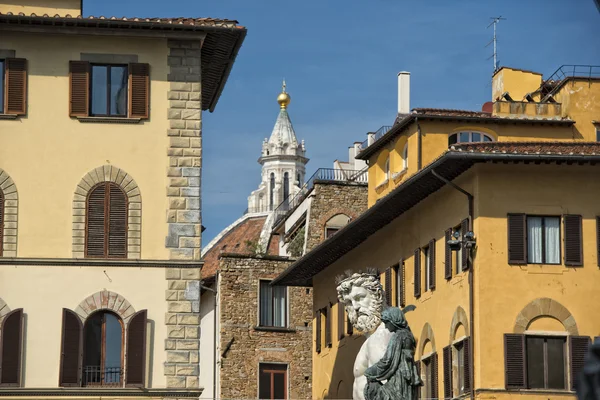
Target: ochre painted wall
[
  {"x": 516, "y": 82},
  {"x": 41, "y": 7},
  {"x": 580, "y": 100}
]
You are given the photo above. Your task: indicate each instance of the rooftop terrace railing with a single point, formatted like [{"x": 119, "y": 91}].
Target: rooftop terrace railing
[
  {"x": 550, "y": 85},
  {"x": 375, "y": 136}
]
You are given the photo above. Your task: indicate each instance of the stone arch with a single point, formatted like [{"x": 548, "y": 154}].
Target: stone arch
[
  {"x": 545, "y": 307},
  {"x": 459, "y": 318},
  {"x": 108, "y": 173},
  {"x": 105, "y": 300},
  {"x": 8, "y": 211},
  {"x": 322, "y": 221},
  {"x": 4, "y": 308},
  {"x": 426, "y": 336}
]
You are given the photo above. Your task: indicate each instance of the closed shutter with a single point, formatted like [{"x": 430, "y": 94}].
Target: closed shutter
[
  {"x": 402, "y": 285},
  {"x": 464, "y": 228},
  {"x": 327, "y": 312},
  {"x": 71, "y": 350},
  {"x": 117, "y": 222},
  {"x": 517, "y": 239},
  {"x": 341, "y": 320},
  {"x": 11, "y": 342},
  {"x": 448, "y": 255},
  {"x": 573, "y": 241},
  {"x": 514, "y": 361},
  {"x": 349, "y": 327},
  {"x": 434, "y": 375},
  {"x": 447, "y": 355},
  {"x": 431, "y": 265},
  {"x": 79, "y": 77},
  {"x": 136, "y": 350},
  {"x": 139, "y": 81},
  {"x": 578, "y": 348},
  {"x": 467, "y": 363},
  {"x": 318, "y": 331},
  {"x": 16, "y": 86},
  {"x": 417, "y": 273},
  {"x": 95, "y": 221},
  {"x": 388, "y": 287}
]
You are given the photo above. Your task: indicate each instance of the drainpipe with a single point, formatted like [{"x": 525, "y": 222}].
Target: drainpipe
[
  {"x": 471, "y": 289},
  {"x": 419, "y": 145}
]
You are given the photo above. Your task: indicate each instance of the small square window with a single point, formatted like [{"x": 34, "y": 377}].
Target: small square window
[
  {"x": 273, "y": 305},
  {"x": 272, "y": 381}
]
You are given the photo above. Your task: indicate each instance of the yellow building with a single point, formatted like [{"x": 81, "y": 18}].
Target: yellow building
[
  {"x": 100, "y": 165},
  {"x": 506, "y": 311}
]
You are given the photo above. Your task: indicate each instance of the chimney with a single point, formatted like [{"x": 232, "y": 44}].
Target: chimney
[{"x": 403, "y": 92}]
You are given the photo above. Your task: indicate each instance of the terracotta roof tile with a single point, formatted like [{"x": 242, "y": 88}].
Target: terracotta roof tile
[
  {"x": 449, "y": 112},
  {"x": 550, "y": 148}
]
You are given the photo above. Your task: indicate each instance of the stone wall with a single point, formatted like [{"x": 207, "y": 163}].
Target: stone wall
[
  {"x": 330, "y": 199},
  {"x": 183, "y": 213},
  {"x": 239, "y": 291}
]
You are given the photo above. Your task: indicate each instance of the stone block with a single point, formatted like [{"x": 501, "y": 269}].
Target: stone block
[
  {"x": 169, "y": 369},
  {"x": 172, "y": 295},
  {"x": 192, "y": 290},
  {"x": 194, "y": 356},
  {"x": 173, "y": 95},
  {"x": 171, "y": 216},
  {"x": 179, "y": 142},
  {"x": 190, "y": 172},
  {"x": 188, "y": 217},
  {"x": 176, "y": 382},
  {"x": 178, "y": 356},
  {"x": 193, "y": 203},
  {"x": 196, "y": 304},
  {"x": 189, "y": 243},
  {"x": 177, "y": 285},
  {"x": 176, "y": 52},
  {"x": 177, "y": 124},
  {"x": 190, "y": 133},
  {"x": 176, "y": 332},
  {"x": 190, "y": 192},
  {"x": 178, "y": 104},
  {"x": 192, "y": 125},
  {"x": 174, "y": 61},
  {"x": 178, "y": 182},
  {"x": 188, "y": 319},
  {"x": 187, "y": 370},
  {"x": 192, "y": 332},
  {"x": 196, "y": 87},
  {"x": 176, "y": 231},
  {"x": 170, "y": 344},
  {"x": 174, "y": 114},
  {"x": 181, "y": 86},
  {"x": 174, "y": 152},
  {"x": 179, "y": 306},
  {"x": 194, "y": 182},
  {"x": 195, "y": 143},
  {"x": 177, "y": 204},
  {"x": 173, "y": 132},
  {"x": 170, "y": 319},
  {"x": 190, "y": 274},
  {"x": 191, "y": 152},
  {"x": 195, "y": 96},
  {"x": 192, "y": 104},
  {"x": 189, "y": 114},
  {"x": 191, "y": 382},
  {"x": 185, "y": 162},
  {"x": 173, "y": 191}
]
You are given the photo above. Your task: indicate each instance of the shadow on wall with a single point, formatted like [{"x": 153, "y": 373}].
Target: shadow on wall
[{"x": 342, "y": 376}]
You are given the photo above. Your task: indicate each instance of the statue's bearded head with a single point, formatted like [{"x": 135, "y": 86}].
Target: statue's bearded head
[{"x": 362, "y": 296}]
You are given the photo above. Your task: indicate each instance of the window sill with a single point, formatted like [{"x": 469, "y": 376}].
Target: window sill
[
  {"x": 397, "y": 175},
  {"x": 110, "y": 120},
  {"x": 382, "y": 184},
  {"x": 9, "y": 116},
  {"x": 274, "y": 329}
]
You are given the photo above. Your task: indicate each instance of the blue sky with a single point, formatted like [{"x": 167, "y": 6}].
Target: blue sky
[{"x": 340, "y": 60}]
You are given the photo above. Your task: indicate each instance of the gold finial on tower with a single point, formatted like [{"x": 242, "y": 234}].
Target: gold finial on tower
[{"x": 283, "y": 99}]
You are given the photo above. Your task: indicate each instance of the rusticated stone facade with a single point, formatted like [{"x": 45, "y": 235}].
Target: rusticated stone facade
[
  {"x": 329, "y": 200},
  {"x": 239, "y": 277}
]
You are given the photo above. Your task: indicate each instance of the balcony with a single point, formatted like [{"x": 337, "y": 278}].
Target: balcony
[
  {"x": 96, "y": 376},
  {"x": 372, "y": 137}
]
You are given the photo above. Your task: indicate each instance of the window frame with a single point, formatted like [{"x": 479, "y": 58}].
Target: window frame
[
  {"x": 566, "y": 371},
  {"x": 108, "y": 88},
  {"x": 2, "y": 89},
  {"x": 272, "y": 374},
  {"x": 286, "y": 310},
  {"x": 458, "y": 350},
  {"x": 386, "y": 170},
  {"x": 560, "y": 238},
  {"x": 458, "y": 141},
  {"x": 428, "y": 270},
  {"x": 404, "y": 156},
  {"x": 458, "y": 253},
  {"x": 103, "y": 351},
  {"x": 330, "y": 231},
  {"x": 427, "y": 376}
]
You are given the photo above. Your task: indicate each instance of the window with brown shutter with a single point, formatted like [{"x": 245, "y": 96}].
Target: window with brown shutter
[
  {"x": 467, "y": 364},
  {"x": 388, "y": 287},
  {"x": 431, "y": 264},
  {"x": 71, "y": 350},
  {"x": 11, "y": 342},
  {"x": 464, "y": 227},
  {"x": 573, "y": 241},
  {"x": 578, "y": 348},
  {"x": 79, "y": 85},
  {"x": 447, "y": 359},
  {"x": 135, "y": 375},
  {"x": 401, "y": 279},
  {"x": 14, "y": 86},
  {"x": 103, "y": 336},
  {"x": 139, "y": 89},
  {"x": 341, "y": 320},
  {"x": 106, "y": 222},
  {"x": 447, "y": 255},
  {"x": 318, "y": 331},
  {"x": 327, "y": 314},
  {"x": 517, "y": 242},
  {"x": 417, "y": 275},
  {"x": 434, "y": 376},
  {"x": 514, "y": 361}
]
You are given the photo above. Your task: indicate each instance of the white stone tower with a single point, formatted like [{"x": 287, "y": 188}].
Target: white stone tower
[{"x": 283, "y": 163}]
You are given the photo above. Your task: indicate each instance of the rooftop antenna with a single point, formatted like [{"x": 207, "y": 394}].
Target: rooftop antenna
[{"x": 495, "y": 21}]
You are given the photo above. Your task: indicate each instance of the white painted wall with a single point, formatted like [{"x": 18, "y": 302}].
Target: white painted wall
[{"x": 207, "y": 343}]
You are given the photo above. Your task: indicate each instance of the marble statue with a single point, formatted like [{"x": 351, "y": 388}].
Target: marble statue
[
  {"x": 384, "y": 368},
  {"x": 588, "y": 382}
]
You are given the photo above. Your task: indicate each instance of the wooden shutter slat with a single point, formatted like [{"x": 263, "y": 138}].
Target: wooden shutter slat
[
  {"x": 573, "y": 241},
  {"x": 11, "y": 342},
  {"x": 434, "y": 375},
  {"x": 318, "y": 331},
  {"x": 402, "y": 289},
  {"x": 431, "y": 265},
  {"x": 517, "y": 239},
  {"x": 135, "y": 375},
  {"x": 515, "y": 373},
  {"x": 388, "y": 286},
  {"x": 79, "y": 86},
  {"x": 464, "y": 228},
  {"x": 578, "y": 348},
  {"x": 467, "y": 363},
  {"x": 16, "y": 86},
  {"x": 139, "y": 89},
  {"x": 448, "y": 255},
  {"x": 96, "y": 221},
  {"x": 417, "y": 273},
  {"x": 327, "y": 312},
  {"x": 117, "y": 222},
  {"x": 447, "y": 358},
  {"x": 341, "y": 320},
  {"x": 71, "y": 351}
]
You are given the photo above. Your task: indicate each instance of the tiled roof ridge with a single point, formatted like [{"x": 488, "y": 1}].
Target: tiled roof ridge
[{"x": 529, "y": 147}]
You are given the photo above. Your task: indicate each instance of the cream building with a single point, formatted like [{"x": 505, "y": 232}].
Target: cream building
[{"x": 100, "y": 218}]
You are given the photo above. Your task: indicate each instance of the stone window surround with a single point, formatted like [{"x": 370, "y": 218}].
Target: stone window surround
[
  {"x": 10, "y": 209},
  {"x": 322, "y": 222},
  {"x": 545, "y": 307},
  {"x": 287, "y": 376},
  {"x": 426, "y": 336},
  {"x": 105, "y": 300},
  {"x": 4, "y": 309},
  {"x": 108, "y": 173}
]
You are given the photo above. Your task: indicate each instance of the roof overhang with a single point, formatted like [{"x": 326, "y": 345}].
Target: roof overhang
[{"x": 450, "y": 165}]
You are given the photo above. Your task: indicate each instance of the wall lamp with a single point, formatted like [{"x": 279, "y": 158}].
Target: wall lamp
[{"x": 468, "y": 241}]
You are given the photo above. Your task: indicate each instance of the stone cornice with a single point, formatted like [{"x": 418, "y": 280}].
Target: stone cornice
[{"x": 98, "y": 262}]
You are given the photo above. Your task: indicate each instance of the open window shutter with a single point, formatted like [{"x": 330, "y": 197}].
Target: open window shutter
[
  {"x": 514, "y": 361},
  {"x": 447, "y": 355},
  {"x": 467, "y": 363},
  {"x": 79, "y": 76},
  {"x": 517, "y": 239},
  {"x": 136, "y": 350},
  {"x": 327, "y": 312},
  {"x": 95, "y": 221},
  {"x": 578, "y": 348},
  {"x": 117, "y": 222},
  {"x": 418, "y": 273},
  {"x": 11, "y": 342},
  {"x": 464, "y": 228},
  {"x": 318, "y": 331},
  {"x": 402, "y": 289},
  {"x": 448, "y": 255},
  {"x": 431, "y": 265},
  {"x": 573, "y": 241},
  {"x": 388, "y": 286},
  {"x": 341, "y": 320},
  {"x": 71, "y": 350},
  {"x": 434, "y": 375},
  {"x": 16, "y": 86},
  {"x": 139, "y": 89}
]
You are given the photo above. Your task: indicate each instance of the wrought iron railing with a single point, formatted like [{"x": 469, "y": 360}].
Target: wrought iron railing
[
  {"x": 250, "y": 210},
  {"x": 94, "y": 375},
  {"x": 322, "y": 174},
  {"x": 550, "y": 85},
  {"x": 376, "y": 136}
]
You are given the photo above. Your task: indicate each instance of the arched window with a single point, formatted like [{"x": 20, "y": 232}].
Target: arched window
[
  {"x": 335, "y": 223},
  {"x": 272, "y": 191},
  {"x": 468, "y": 137},
  {"x": 405, "y": 157},
  {"x": 299, "y": 180},
  {"x": 106, "y": 222},
  {"x": 1, "y": 221},
  {"x": 103, "y": 337},
  {"x": 286, "y": 186}
]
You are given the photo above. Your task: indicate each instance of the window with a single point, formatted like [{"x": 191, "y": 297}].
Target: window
[
  {"x": 429, "y": 377},
  {"x": 386, "y": 170},
  {"x": 318, "y": 333},
  {"x": 330, "y": 232},
  {"x": 1, "y": 220},
  {"x": 2, "y": 85},
  {"x": 327, "y": 319},
  {"x": 335, "y": 223},
  {"x": 427, "y": 267},
  {"x": 468, "y": 137},
  {"x": 459, "y": 351},
  {"x": 106, "y": 222},
  {"x": 597, "y": 134},
  {"x": 543, "y": 240},
  {"x": 405, "y": 157},
  {"x": 458, "y": 254},
  {"x": 417, "y": 274},
  {"x": 13, "y": 86},
  {"x": 108, "y": 90},
  {"x": 341, "y": 320},
  {"x": 103, "y": 350},
  {"x": 273, "y": 305},
  {"x": 286, "y": 187},
  {"x": 545, "y": 362},
  {"x": 400, "y": 285},
  {"x": 272, "y": 191},
  {"x": 11, "y": 343},
  {"x": 272, "y": 381}
]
